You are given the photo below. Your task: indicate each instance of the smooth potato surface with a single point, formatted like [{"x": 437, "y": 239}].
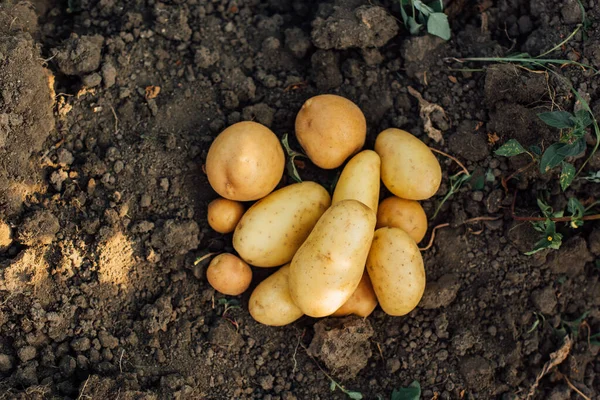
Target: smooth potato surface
[
  {"x": 396, "y": 269},
  {"x": 362, "y": 302},
  {"x": 407, "y": 215},
  {"x": 271, "y": 231},
  {"x": 271, "y": 303},
  {"x": 408, "y": 167},
  {"x": 327, "y": 268},
  {"x": 224, "y": 214},
  {"x": 245, "y": 162},
  {"x": 228, "y": 274},
  {"x": 330, "y": 129},
  {"x": 360, "y": 180}
]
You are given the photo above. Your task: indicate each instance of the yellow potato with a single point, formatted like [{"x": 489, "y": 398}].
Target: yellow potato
[
  {"x": 362, "y": 302},
  {"x": 407, "y": 215},
  {"x": 360, "y": 180},
  {"x": 408, "y": 167},
  {"x": 330, "y": 129},
  {"x": 396, "y": 269},
  {"x": 245, "y": 162},
  {"x": 228, "y": 274},
  {"x": 328, "y": 266},
  {"x": 271, "y": 303},
  {"x": 271, "y": 231},
  {"x": 224, "y": 215}
]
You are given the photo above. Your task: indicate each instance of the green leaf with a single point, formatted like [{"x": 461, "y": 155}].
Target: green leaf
[
  {"x": 332, "y": 385},
  {"x": 577, "y": 210},
  {"x": 583, "y": 118},
  {"x": 355, "y": 395},
  {"x": 412, "y": 392},
  {"x": 403, "y": 12},
  {"x": 575, "y": 324},
  {"x": 557, "y": 119},
  {"x": 512, "y": 147},
  {"x": 551, "y": 239},
  {"x": 423, "y": 8},
  {"x": 437, "y": 6},
  {"x": 438, "y": 25},
  {"x": 556, "y": 153},
  {"x": 567, "y": 175},
  {"x": 478, "y": 183},
  {"x": 535, "y": 150},
  {"x": 592, "y": 177},
  {"x": 544, "y": 207},
  {"x": 290, "y": 166},
  {"x": 489, "y": 176}
]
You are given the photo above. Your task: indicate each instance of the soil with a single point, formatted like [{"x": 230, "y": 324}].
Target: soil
[{"x": 107, "y": 110}]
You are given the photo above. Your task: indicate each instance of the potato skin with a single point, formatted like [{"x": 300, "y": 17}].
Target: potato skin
[
  {"x": 407, "y": 215},
  {"x": 245, "y": 162},
  {"x": 228, "y": 274},
  {"x": 271, "y": 231},
  {"x": 328, "y": 266},
  {"x": 362, "y": 302},
  {"x": 271, "y": 303},
  {"x": 224, "y": 214},
  {"x": 408, "y": 167},
  {"x": 396, "y": 269},
  {"x": 330, "y": 129},
  {"x": 360, "y": 180}
]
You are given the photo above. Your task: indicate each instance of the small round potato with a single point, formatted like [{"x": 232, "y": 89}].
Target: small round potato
[
  {"x": 245, "y": 162},
  {"x": 362, "y": 302},
  {"x": 408, "y": 167},
  {"x": 224, "y": 214},
  {"x": 228, "y": 274},
  {"x": 330, "y": 129},
  {"x": 360, "y": 180},
  {"x": 407, "y": 215}
]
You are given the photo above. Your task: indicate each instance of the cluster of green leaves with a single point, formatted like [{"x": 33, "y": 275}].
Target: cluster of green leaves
[
  {"x": 456, "y": 182},
  {"x": 416, "y": 14},
  {"x": 351, "y": 394},
  {"x": 411, "y": 392}
]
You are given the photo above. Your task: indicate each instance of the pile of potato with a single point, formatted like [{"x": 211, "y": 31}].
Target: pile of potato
[{"x": 336, "y": 255}]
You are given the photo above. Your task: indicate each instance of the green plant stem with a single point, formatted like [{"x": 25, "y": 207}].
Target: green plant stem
[
  {"x": 558, "y": 46},
  {"x": 554, "y": 219},
  {"x": 522, "y": 60}
]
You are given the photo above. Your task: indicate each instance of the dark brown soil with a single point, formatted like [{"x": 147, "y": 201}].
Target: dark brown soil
[{"x": 103, "y": 199}]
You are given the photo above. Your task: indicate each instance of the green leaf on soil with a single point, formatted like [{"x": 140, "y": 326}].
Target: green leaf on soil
[
  {"x": 592, "y": 177},
  {"x": 536, "y": 150},
  {"x": 567, "y": 175},
  {"x": 551, "y": 239},
  {"x": 355, "y": 395},
  {"x": 577, "y": 210},
  {"x": 512, "y": 147},
  {"x": 332, "y": 386},
  {"x": 412, "y": 392},
  {"x": 556, "y": 153},
  {"x": 290, "y": 166},
  {"x": 438, "y": 25},
  {"x": 422, "y": 7},
  {"x": 558, "y": 119},
  {"x": 583, "y": 118},
  {"x": 437, "y": 5}
]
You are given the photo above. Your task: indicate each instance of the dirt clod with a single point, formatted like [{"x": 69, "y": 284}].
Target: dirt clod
[
  {"x": 177, "y": 237},
  {"x": 38, "y": 228},
  {"x": 477, "y": 371},
  {"x": 441, "y": 293},
  {"x": 544, "y": 300},
  {"x": 79, "y": 54},
  {"x": 5, "y": 236}
]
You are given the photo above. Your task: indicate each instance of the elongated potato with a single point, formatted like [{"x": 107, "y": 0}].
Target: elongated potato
[
  {"x": 360, "y": 180},
  {"x": 407, "y": 215},
  {"x": 328, "y": 266},
  {"x": 396, "y": 269},
  {"x": 271, "y": 231},
  {"x": 362, "y": 302},
  {"x": 271, "y": 303},
  {"x": 408, "y": 167}
]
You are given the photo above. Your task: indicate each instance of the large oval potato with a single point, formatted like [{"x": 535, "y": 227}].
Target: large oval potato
[
  {"x": 396, "y": 269},
  {"x": 245, "y": 162},
  {"x": 271, "y": 303},
  {"x": 328, "y": 266},
  {"x": 408, "y": 167},
  {"x": 271, "y": 231},
  {"x": 362, "y": 302},
  {"x": 360, "y": 180},
  {"x": 330, "y": 129},
  {"x": 407, "y": 215}
]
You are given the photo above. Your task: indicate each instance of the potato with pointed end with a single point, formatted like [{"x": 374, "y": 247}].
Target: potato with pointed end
[
  {"x": 229, "y": 275},
  {"x": 271, "y": 303},
  {"x": 362, "y": 302},
  {"x": 271, "y": 231},
  {"x": 396, "y": 269},
  {"x": 407, "y": 215},
  {"x": 360, "y": 180},
  {"x": 328, "y": 267},
  {"x": 224, "y": 215},
  {"x": 245, "y": 162},
  {"x": 408, "y": 167},
  {"x": 330, "y": 129}
]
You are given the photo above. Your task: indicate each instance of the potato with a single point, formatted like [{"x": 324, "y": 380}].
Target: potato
[
  {"x": 396, "y": 269},
  {"x": 327, "y": 268},
  {"x": 360, "y": 180},
  {"x": 407, "y": 215},
  {"x": 228, "y": 274},
  {"x": 245, "y": 162},
  {"x": 271, "y": 303},
  {"x": 330, "y": 129},
  {"x": 362, "y": 302},
  {"x": 408, "y": 167},
  {"x": 224, "y": 214},
  {"x": 271, "y": 231}
]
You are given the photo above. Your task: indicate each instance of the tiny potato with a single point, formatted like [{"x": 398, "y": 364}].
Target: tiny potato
[
  {"x": 327, "y": 268},
  {"x": 408, "y": 167},
  {"x": 330, "y": 129},
  {"x": 407, "y": 215},
  {"x": 360, "y": 180},
  {"x": 271, "y": 231},
  {"x": 271, "y": 303},
  {"x": 362, "y": 302},
  {"x": 245, "y": 162},
  {"x": 396, "y": 269},
  {"x": 224, "y": 214},
  {"x": 229, "y": 275}
]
